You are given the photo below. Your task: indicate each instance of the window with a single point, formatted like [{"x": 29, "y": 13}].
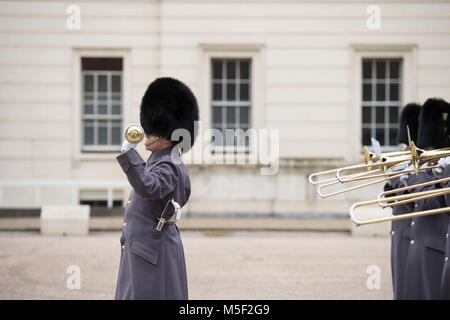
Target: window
[
  {"x": 99, "y": 197},
  {"x": 231, "y": 103},
  {"x": 101, "y": 203},
  {"x": 101, "y": 104},
  {"x": 381, "y": 100}
]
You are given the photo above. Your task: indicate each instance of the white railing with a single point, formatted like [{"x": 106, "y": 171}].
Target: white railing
[{"x": 75, "y": 185}]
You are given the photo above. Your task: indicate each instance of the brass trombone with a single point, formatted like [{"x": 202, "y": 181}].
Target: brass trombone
[
  {"x": 363, "y": 176},
  {"x": 412, "y": 197},
  {"x": 417, "y": 156},
  {"x": 385, "y": 163},
  {"x": 383, "y": 195},
  {"x": 420, "y": 156},
  {"x": 323, "y": 195},
  {"x": 373, "y": 157},
  {"x": 369, "y": 157},
  {"x": 384, "y": 200}
]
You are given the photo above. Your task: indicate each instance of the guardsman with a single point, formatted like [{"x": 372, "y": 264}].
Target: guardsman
[
  {"x": 445, "y": 279},
  {"x": 444, "y": 172},
  {"x": 409, "y": 118},
  {"x": 152, "y": 262},
  {"x": 425, "y": 256}
]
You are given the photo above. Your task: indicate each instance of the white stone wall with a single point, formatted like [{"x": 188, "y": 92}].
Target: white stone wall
[{"x": 306, "y": 58}]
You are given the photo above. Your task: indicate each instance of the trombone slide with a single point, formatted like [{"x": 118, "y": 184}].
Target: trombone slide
[{"x": 406, "y": 198}]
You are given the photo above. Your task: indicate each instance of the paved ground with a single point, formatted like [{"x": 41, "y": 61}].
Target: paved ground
[{"x": 221, "y": 265}]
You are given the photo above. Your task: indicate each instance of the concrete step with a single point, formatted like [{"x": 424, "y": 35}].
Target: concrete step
[{"x": 202, "y": 223}]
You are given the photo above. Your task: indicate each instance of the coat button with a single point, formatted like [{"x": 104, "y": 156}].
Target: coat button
[
  {"x": 392, "y": 232},
  {"x": 446, "y": 259},
  {"x": 124, "y": 224},
  {"x": 446, "y": 236},
  {"x": 412, "y": 223},
  {"x": 415, "y": 206},
  {"x": 412, "y": 242},
  {"x": 128, "y": 202},
  {"x": 123, "y": 247}
]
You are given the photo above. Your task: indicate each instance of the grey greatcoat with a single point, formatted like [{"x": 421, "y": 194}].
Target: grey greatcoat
[
  {"x": 399, "y": 241},
  {"x": 445, "y": 280},
  {"x": 152, "y": 263},
  {"x": 425, "y": 257}
]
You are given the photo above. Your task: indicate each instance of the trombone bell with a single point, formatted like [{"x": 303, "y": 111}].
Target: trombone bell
[{"x": 420, "y": 156}]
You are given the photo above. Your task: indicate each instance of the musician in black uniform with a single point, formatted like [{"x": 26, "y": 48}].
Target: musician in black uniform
[
  {"x": 425, "y": 255},
  {"x": 444, "y": 172},
  {"x": 409, "y": 117}
]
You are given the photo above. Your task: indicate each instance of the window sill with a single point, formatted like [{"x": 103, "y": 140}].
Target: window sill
[
  {"x": 385, "y": 149},
  {"x": 98, "y": 156}
]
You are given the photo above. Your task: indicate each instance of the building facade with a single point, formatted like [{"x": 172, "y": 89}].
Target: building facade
[{"x": 328, "y": 75}]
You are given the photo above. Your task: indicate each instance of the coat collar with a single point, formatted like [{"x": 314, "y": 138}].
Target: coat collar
[{"x": 159, "y": 154}]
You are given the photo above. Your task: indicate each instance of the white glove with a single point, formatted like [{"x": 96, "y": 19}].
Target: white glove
[
  {"x": 443, "y": 163},
  {"x": 404, "y": 178},
  {"x": 127, "y": 146},
  {"x": 177, "y": 209},
  {"x": 399, "y": 167}
]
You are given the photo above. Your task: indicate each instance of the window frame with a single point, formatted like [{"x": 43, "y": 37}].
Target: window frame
[
  {"x": 77, "y": 103},
  {"x": 408, "y": 54},
  {"x": 235, "y": 103},
  {"x": 374, "y": 105},
  {"x": 95, "y": 116},
  {"x": 253, "y": 52}
]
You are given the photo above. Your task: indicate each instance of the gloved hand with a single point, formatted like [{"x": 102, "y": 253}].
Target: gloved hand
[
  {"x": 400, "y": 167},
  {"x": 127, "y": 146},
  {"x": 404, "y": 178},
  {"x": 442, "y": 163}
]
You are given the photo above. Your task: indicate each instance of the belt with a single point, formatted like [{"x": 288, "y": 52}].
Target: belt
[{"x": 162, "y": 221}]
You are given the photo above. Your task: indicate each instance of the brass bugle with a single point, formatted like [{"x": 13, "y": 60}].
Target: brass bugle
[
  {"x": 134, "y": 133},
  {"x": 412, "y": 197}
]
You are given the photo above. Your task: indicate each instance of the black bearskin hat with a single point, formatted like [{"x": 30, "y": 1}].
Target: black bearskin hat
[
  {"x": 433, "y": 131},
  {"x": 167, "y": 105},
  {"x": 409, "y": 117}
]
